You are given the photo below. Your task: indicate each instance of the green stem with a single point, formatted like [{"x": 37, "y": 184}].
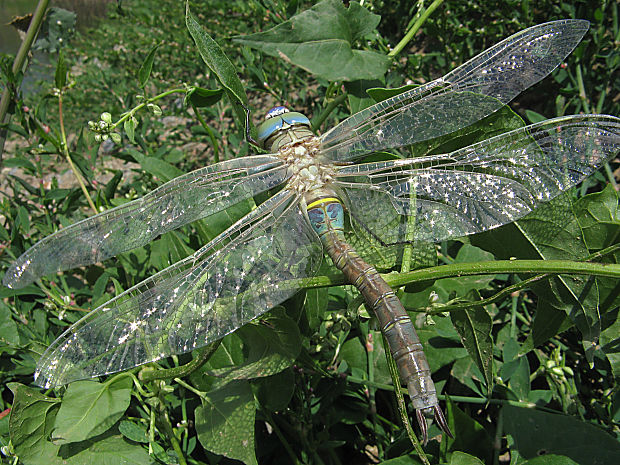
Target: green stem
[
  {"x": 190, "y": 388},
  {"x": 610, "y": 176},
  {"x": 131, "y": 112},
  {"x": 489, "y": 300},
  {"x": 205, "y": 126},
  {"x": 283, "y": 441},
  {"x": 505, "y": 266},
  {"x": 582, "y": 90},
  {"x": 164, "y": 421},
  {"x": 497, "y": 441},
  {"x": 461, "y": 399},
  {"x": 474, "y": 269},
  {"x": 416, "y": 26},
  {"x": 513, "y": 316},
  {"x": 65, "y": 149},
  {"x": 201, "y": 356},
  {"x": 316, "y": 123},
  {"x": 402, "y": 407},
  {"x": 19, "y": 62}
]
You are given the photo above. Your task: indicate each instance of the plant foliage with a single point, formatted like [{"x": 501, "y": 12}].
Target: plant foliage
[{"x": 527, "y": 357}]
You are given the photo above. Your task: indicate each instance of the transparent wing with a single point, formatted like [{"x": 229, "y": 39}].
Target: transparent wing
[
  {"x": 184, "y": 199},
  {"x": 479, "y": 187},
  {"x": 199, "y": 300},
  {"x": 460, "y": 98}
]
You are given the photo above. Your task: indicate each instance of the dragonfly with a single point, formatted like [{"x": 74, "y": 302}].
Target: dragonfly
[{"x": 321, "y": 196}]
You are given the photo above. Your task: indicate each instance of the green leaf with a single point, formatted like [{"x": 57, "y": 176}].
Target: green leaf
[
  {"x": 60, "y": 77},
  {"x": 461, "y": 458},
  {"x": 469, "y": 435},
  {"x": 272, "y": 348},
  {"x": 474, "y": 327},
  {"x": 225, "y": 422},
  {"x": 130, "y": 128},
  {"x": 275, "y": 392},
  {"x": 147, "y": 65},
  {"x": 111, "y": 449},
  {"x": 520, "y": 379},
  {"x": 320, "y": 40},
  {"x": 31, "y": 422},
  {"x": 24, "y": 219},
  {"x": 536, "y": 433},
  {"x": 159, "y": 168},
  {"x": 201, "y": 98},
  {"x": 550, "y": 459},
  {"x": 133, "y": 431},
  {"x": 9, "y": 335},
  {"x": 218, "y": 63},
  {"x": 378, "y": 94},
  {"x": 89, "y": 408},
  {"x": 465, "y": 284},
  {"x": 599, "y": 218},
  {"x": 355, "y": 354},
  {"x": 609, "y": 341},
  {"x": 554, "y": 233}
]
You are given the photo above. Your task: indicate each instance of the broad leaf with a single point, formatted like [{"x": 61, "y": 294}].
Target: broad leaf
[
  {"x": 225, "y": 422},
  {"x": 469, "y": 435},
  {"x": 461, "y": 458},
  {"x": 31, "y": 422},
  {"x": 107, "y": 450},
  {"x": 272, "y": 348},
  {"x": 162, "y": 170},
  {"x": 536, "y": 433},
  {"x": 320, "y": 40},
  {"x": 474, "y": 327},
  {"x": 147, "y": 65},
  {"x": 218, "y": 63},
  {"x": 89, "y": 408}
]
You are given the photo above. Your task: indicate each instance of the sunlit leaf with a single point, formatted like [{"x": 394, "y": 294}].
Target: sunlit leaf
[{"x": 320, "y": 40}]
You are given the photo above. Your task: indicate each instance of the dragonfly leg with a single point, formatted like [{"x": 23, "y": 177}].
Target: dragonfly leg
[{"x": 248, "y": 135}]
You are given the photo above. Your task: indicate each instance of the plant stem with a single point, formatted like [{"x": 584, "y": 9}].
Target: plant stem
[
  {"x": 65, "y": 149},
  {"x": 201, "y": 356},
  {"x": 402, "y": 407},
  {"x": 283, "y": 441},
  {"x": 164, "y": 421},
  {"x": 416, "y": 26},
  {"x": 505, "y": 266},
  {"x": 18, "y": 64},
  {"x": 205, "y": 126},
  {"x": 316, "y": 123},
  {"x": 474, "y": 269},
  {"x": 494, "y": 298},
  {"x": 582, "y": 90},
  {"x": 131, "y": 112}
]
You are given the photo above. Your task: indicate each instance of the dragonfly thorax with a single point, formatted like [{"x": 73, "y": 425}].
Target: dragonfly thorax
[{"x": 307, "y": 173}]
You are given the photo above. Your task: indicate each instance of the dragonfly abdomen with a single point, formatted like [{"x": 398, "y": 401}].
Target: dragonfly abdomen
[{"x": 326, "y": 216}]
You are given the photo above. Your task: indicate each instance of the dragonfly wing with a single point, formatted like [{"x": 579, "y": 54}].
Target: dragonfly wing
[
  {"x": 251, "y": 267},
  {"x": 479, "y": 187},
  {"x": 465, "y": 95},
  {"x": 184, "y": 199}
]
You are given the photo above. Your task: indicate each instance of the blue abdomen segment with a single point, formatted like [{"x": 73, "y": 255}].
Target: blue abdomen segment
[{"x": 326, "y": 215}]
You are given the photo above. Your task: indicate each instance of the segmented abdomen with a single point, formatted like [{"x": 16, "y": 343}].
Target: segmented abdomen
[{"x": 327, "y": 218}]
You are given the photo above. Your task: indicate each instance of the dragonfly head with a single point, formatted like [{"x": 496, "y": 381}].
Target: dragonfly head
[{"x": 277, "y": 121}]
